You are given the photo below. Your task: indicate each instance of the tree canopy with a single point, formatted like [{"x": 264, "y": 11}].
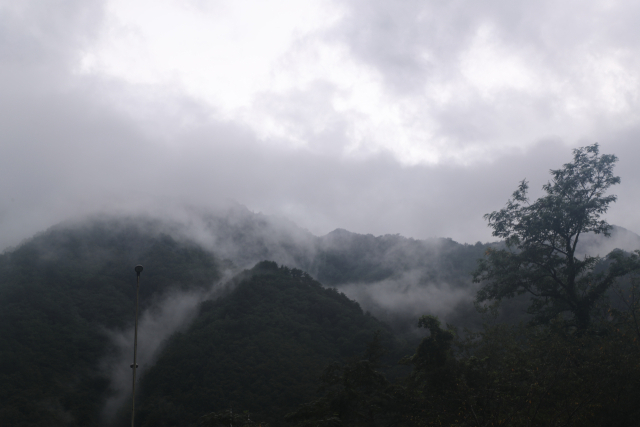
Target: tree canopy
[{"x": 542, "y": 238}]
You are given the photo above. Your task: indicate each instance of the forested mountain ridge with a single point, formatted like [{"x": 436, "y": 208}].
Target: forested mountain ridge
[
  {"x": 395, "y": 277},
  {"x": 344, "y": 257},
  {"x": 337, "y": 258},
  {"x": 60, "y": 293},
  {"x": 65, "y": 292},
  {"x": 259, "y": 348},
  {"x": 365, "y": 267}
]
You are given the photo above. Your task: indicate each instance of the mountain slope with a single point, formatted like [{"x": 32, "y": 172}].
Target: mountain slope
[
  {"x": 59, "y": 294},
  {"x": 396, "y": 278},
  {"x": 338, "y": 258},
  {"x": 64, "y": 292},
  {"x": 260, "y": 348}
]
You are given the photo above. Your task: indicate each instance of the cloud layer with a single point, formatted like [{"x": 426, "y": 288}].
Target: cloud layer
[{"x": 371, "y": 116}]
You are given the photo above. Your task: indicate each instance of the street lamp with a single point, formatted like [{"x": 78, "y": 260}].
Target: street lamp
[{"x": 138, "y": 270}]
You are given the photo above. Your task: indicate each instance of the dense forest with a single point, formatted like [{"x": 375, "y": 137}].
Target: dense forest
[
  {"x": 250, "y": 322},
  {"x": 65, "y": 291},
  {"x": 260, "y": 348},
  {"x": 60, "y": 292}
]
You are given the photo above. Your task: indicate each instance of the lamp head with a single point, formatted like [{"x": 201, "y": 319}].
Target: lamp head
[{"x": 138, "y": 269}]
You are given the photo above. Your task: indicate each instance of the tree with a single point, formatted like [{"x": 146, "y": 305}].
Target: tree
[
  {"x": 227, "y": 418},
  {"x": 354, "y": 393},
  {"x": 433, "y": 361},
  {"x": 541, "y": 239}
]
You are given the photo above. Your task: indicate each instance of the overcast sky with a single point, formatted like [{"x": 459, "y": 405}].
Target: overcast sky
[{"x": 378, "y": 116}]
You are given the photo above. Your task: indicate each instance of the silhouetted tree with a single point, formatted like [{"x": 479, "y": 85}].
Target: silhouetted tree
[{"x": 542, "y": 238}]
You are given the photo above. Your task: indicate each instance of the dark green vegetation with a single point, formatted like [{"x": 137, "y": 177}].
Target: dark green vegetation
[
  {"x": 542, "y": 242},
  {"x": 275, "y": 346},
  {"x": 577, "y": 364},
  {"x": 59, "y": 292},
  {"x": 504, "y": 375},
  {"x": 260, "y": 348},
  {"x": 344, "y": 257},
  {"x": 376, "y": 269},
  {"x": 339, "y": 257},
  {"x": 351, "y": 262}
]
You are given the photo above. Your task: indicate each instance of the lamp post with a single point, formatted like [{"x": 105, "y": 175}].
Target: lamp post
[{"x": 138, "y": 270}]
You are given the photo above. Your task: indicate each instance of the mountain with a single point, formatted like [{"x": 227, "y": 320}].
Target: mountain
[
  {"x": 67, "y": 299},
  {"x": 621, "y": 238},
  {"x": 259, "y": 348},
  {"x": 60, "y": 295},
  {"x": 338, "y": 258},
  {"x": 398, "y": 279}
]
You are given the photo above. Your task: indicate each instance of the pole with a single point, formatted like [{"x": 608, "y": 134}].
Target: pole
[{"x": 138, "y": 270}]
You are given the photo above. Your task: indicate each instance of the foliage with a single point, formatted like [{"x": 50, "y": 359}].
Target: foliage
[
  {"x": 260, "y": 348},
  {"x": 432, "y": 362},
  {"x": 502, "y": 375},
  {"x": 228, "y": 418},
  {"x": 355, "y": 393},
  {"x": 263, "y": 344},
  {"x": 627, "y": 310},
  {"x": 542, "y": 238},
  {"x": 59, "y": 293},
  {"x": 546, "y": 376},
  {"x": 357, "y": 260},
  {"x": 343, "y": 257}
]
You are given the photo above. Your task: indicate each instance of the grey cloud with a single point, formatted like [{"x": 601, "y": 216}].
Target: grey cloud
[
  {"x": 103, "y": 162},
  {"x": 567, "y": 47},
  {"x": 73, "y": 145},
  {"x": 392, "y": 36},
  {"x": 47, "y": 34}
]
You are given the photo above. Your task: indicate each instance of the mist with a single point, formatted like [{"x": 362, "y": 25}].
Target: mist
[
  {"x": 599, "y": 245},
  {"x": 402, "y": 301},
  {"x": 169, "y": 314}
]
